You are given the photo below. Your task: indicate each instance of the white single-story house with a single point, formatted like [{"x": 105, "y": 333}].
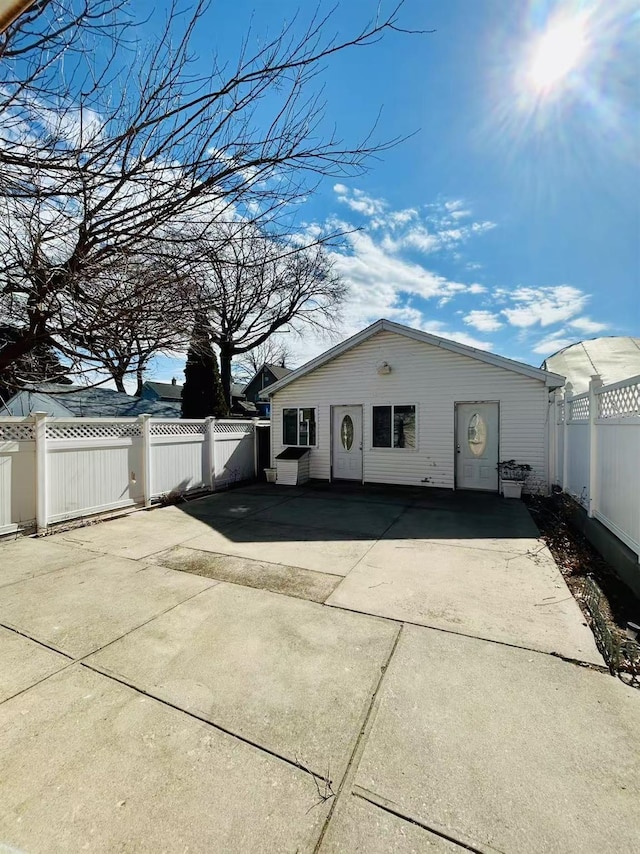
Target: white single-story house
[{"x": 400, "y": 406}]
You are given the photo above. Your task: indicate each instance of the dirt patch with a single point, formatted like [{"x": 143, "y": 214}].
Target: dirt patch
[
  {"x": 287, "y": 580},
  {"x": 578, "y": 560}
]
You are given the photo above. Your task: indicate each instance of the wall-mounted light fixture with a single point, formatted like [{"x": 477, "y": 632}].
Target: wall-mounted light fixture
[{"x": 384, "y": 368}]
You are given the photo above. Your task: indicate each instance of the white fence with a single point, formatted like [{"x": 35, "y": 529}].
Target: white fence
[
  {"x": 54, "y": 469},
  {"x": 596, "y": 454}
]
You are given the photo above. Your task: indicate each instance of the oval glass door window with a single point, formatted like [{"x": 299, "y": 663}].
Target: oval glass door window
[
  {"x": 346, "y": 432},
  {"x": 477, "y": 435}
]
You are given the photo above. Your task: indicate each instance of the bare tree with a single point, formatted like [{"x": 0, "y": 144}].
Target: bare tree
[
  {"x": 273, "y": 351},
  {"x": 142, "y": 148},
  {"x": 144, "y": 309},
  {"x": 252, "y": 285}
]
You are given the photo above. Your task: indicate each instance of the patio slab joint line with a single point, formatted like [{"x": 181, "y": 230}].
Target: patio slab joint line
[
  {"x": 38, "y": 682},
  {"x": 358, "y": 748},
  {"x": 377, "y": 540},
  {"x": 195, "y": 716},
  {"x": 576, "y": 662},
  {"x": 385, "y": 805},
  {"x": 35, "y": 640},
  {"x": 80, "y": 658},
  {"x": 214, "y": 583}
]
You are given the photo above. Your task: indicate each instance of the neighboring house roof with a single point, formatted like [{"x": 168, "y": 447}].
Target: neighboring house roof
[
  {"x": 551, "y": 379},
  {"x": 169, "y": 391},
  {"x": 89, "y": 402},
  {"x": 165, "y": 391},
  {"x": 278, "y": 371},
  {"x": 613, "y": 358},
  {"x": 263, "y": 378},
  {"x": 246, "y": 407}
]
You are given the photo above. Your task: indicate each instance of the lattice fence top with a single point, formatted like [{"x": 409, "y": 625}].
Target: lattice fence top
[
  {"x": 110, "y": 430},
  {"x": 177, "y": 428},
  {"x": 622, "y": 402},
  {"x": 238, "y": 427},
  {"x": 17, "y": 432},
  {"x": 579, "y": 409}
]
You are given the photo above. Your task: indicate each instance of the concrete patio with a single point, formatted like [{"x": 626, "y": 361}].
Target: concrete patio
[{"x": 316, "y": 669}]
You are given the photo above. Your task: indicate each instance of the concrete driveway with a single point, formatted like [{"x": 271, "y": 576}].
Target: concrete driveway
[{"x": 311, "y": 669}]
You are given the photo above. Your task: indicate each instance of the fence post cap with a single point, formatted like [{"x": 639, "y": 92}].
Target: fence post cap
[{"x": 595, "y": 381}]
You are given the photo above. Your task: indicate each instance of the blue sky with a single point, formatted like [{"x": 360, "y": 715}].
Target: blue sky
[{"x": 510, "y": 220}]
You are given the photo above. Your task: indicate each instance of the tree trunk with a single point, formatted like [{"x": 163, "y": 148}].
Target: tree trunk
[
  {"x": 119, "y": 381},
  {"x": 226, "y": 354},
  {"x": 139, "y": 379}
]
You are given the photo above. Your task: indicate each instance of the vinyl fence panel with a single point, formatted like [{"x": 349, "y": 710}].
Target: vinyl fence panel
[
  {"x": 57, "y": 469},
  {"x": 598, "y": 455},
  {"x": 17, "y": 474}
]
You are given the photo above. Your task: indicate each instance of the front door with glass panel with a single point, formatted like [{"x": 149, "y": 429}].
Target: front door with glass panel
[
  {"x": 477, "y": 446},
  {"x": 347, "y": 442}
]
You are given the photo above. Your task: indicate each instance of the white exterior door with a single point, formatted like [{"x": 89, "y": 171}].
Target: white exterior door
[
  {"x": 477, "y": 446},
  {"x": 347, "y": 442}
]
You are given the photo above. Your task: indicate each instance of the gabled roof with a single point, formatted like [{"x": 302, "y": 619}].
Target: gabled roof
[
  {"x": 279, "y": 371},
  {"x": 165, "y": 391},
  {"x": 101, "y": 402},
  {"x": 550, "y": 379}
]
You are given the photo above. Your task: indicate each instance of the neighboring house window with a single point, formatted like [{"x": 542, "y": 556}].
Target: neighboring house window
[
  {"x": 394, "y": 426},
  {"x": 299, "y": 427}
]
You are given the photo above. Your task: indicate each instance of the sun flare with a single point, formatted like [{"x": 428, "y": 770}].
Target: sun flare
[{"x": 558, "y": 51}]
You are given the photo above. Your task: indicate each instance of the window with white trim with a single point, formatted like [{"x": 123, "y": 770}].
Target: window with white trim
[
  {"x": 299, "y": 426},
  {"x": 394, "y": 426}
]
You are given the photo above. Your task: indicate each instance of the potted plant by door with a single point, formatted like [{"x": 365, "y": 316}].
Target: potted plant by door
[{"x": 512, "y": 477}]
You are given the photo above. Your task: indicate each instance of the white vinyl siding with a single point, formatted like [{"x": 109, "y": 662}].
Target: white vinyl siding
[{"x": 435, "y": 379}]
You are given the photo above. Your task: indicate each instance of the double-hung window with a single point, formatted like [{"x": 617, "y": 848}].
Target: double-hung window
[
  {"x": 299, "y": 427},
  {"x": 394, "y": 426}
]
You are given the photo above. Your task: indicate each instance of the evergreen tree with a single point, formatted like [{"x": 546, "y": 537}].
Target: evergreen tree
[{"x": 202, "y": 394}]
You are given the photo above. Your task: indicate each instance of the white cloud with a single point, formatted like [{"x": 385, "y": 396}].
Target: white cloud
[
  {"x": 359, "y": 201},
  {"x": 436, "y": 227},
  {"x": 402, "y": 217},
  {"x": 368, "y": 265},
  {"x": 380, "y": 265},
  {"x": 544, "y": 306},
  {"x": 585, "y": 324},
  {"x": 485, "y": 321},
  {"x": 481, "y": 227},
  {"x": 553, "y": 343},
  {"x": 419, "y": 238},
  {"x": 436, "y": 327}
]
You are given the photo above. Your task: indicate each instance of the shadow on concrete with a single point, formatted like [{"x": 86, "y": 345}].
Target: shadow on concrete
[{"x": 344, "y": 511}]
